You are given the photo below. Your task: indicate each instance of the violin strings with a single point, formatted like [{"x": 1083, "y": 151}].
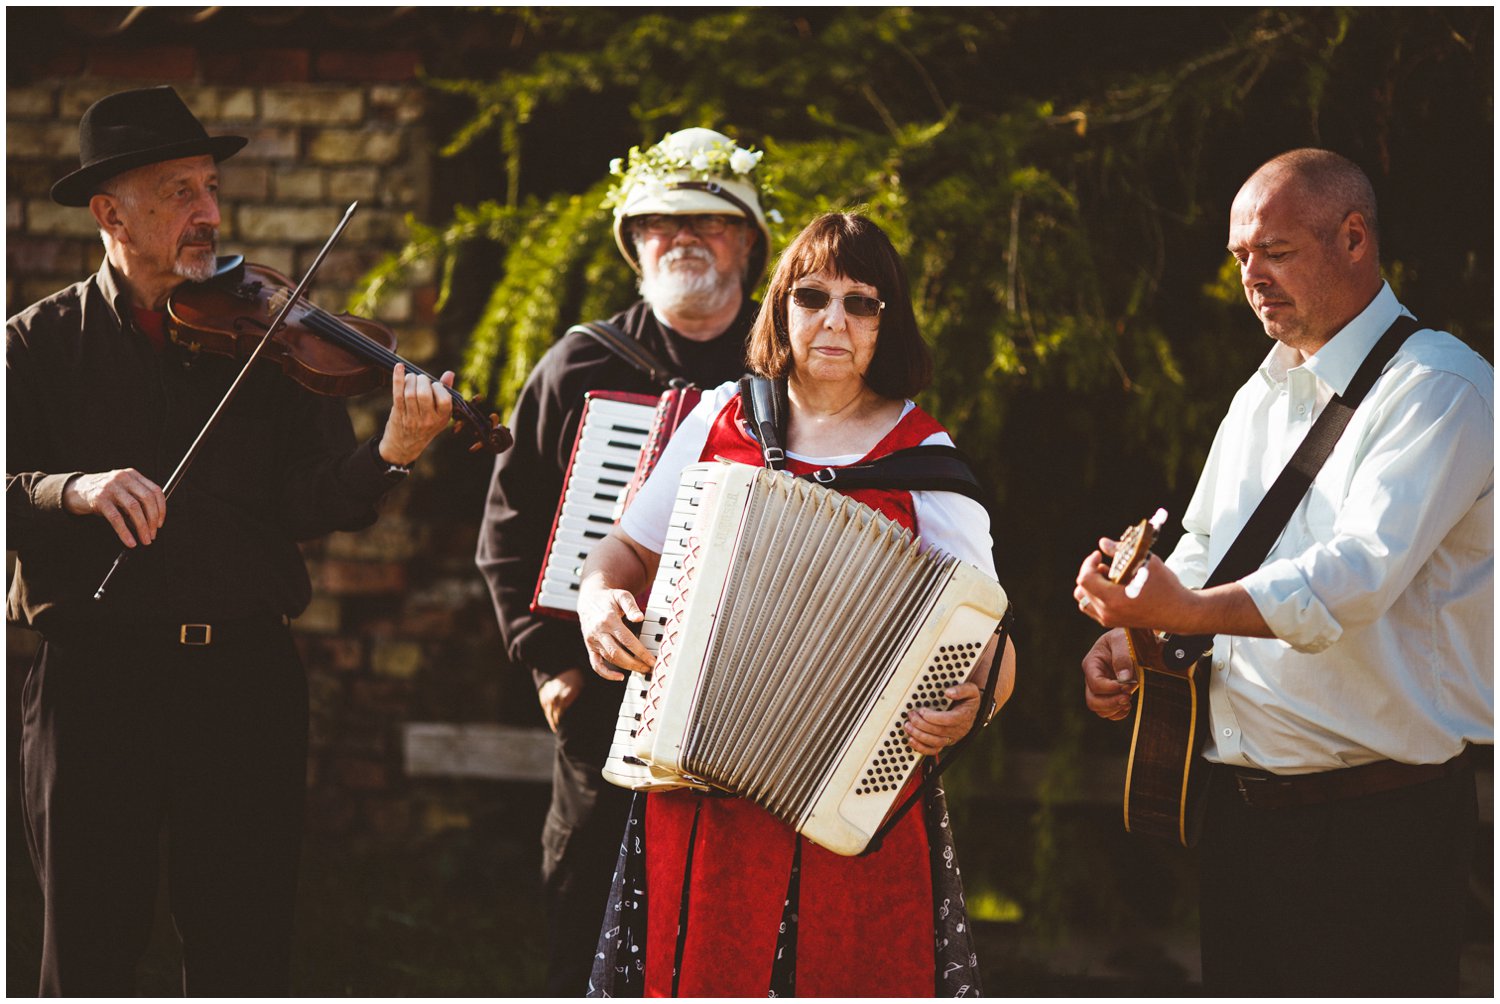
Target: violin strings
[{"x": 339, "y": 333}]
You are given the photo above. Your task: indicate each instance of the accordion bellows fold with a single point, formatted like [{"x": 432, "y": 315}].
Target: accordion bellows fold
[{"x": 795, "y": 629}]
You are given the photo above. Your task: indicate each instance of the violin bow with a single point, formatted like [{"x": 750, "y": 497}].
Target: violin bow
[{"x": 276, "y": 322}]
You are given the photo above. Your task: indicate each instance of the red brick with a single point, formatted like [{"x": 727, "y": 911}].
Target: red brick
[
  {"x": 359, "y": 775},
  {"x": 387, "y": 817},
  {"x": 344, "y": 266},
  {"x": 384, "y": 697},
  {"x": 432, "y": 622},
  {"x": 258, "y": 66},
  {"x": 160, "y": 63},
  {"x": 341, "y": 655},
  {"x": 368, "y": 67},
  {"x": 359, "y": 578},
  {"x": 43, "y": 256}
]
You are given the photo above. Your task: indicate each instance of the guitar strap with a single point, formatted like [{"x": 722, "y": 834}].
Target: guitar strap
[
  {"x": 630, "y": 350},
  {"x": 1275, "y": 510}
]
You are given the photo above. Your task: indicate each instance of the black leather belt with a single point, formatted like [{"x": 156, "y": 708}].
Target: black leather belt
[
  {"x": 223, "y": 632},
  {"x": 1265, "y": 790},
  {"x": 186, "y": 634}
]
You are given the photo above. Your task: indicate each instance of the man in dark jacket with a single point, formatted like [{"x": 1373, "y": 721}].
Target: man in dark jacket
[
  {"x": 176, "y": 702},
  {"x": 689, "y": 220}
]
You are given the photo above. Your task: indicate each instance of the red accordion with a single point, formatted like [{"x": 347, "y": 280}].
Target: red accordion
[{"x": 620, "y": 438}]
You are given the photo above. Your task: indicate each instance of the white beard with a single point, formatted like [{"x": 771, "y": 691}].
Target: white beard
[
  {"x": 686, "y": 291},
  {"x": 200, "y": 266}
]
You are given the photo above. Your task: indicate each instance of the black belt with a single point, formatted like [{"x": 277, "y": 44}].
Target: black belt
[
  {"x": 1264, "y": 790},
  {"x": 188, "y": 634}
]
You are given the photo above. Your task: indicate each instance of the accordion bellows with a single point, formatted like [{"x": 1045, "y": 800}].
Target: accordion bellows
[{"x": 795, "y": 629}]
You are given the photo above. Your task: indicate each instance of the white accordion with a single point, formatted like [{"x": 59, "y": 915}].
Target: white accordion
[{"x": 794, "y": 630}]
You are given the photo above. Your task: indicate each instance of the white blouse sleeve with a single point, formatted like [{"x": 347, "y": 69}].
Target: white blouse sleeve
[{"x": 955, "y": 523}]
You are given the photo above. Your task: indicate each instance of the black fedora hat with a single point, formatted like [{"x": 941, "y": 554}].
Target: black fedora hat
[{"x": 132, "y": 129}]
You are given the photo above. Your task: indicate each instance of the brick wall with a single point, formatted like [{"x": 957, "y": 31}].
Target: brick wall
[{"x": 400, "y": 629}]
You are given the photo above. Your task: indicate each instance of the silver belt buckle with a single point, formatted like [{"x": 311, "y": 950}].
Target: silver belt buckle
[{"x": 196, "y": 634}]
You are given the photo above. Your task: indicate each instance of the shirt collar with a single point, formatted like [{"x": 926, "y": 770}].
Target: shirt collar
[
  {"x": 1337, "y": 361},
  {"x": 114, "y": 291}
]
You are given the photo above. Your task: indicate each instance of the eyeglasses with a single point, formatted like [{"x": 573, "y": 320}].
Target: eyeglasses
[
  {"x": 854, "y": 305},
  {"x": 702, "y": 224}
]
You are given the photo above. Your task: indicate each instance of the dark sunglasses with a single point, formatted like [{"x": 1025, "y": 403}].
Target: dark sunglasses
[{"x": 854, "y": 305}]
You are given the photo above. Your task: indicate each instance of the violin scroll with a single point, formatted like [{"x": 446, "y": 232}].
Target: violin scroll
[{"x": 488, "y": 434}]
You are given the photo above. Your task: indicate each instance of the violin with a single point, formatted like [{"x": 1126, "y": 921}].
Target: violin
[{"x": 334, "y": 355}]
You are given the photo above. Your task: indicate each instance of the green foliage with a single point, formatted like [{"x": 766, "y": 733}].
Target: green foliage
[{"x": 1057, "y": 181}]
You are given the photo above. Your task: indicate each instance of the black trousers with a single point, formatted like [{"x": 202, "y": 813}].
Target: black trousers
[
  {"x": 1358, "y": 897},
  {"x": 581, "y": 838},
  {"x": 126, "y": 738}
]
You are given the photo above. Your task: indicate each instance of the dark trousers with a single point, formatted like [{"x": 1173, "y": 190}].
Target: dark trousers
[
  {"x": 581, "y": 838},
  {"x": 1357, "y": 897},
  {"x": 124, "y": 740}
]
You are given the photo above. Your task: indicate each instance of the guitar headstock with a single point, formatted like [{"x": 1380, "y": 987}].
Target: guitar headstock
[{"x": 1134, "y": 547}]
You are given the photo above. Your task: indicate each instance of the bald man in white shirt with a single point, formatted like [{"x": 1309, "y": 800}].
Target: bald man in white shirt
[{"x": 1354, "y": 667}]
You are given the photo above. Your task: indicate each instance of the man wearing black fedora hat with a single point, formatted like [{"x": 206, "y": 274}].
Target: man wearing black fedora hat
[{"x": 173, "y": 712}]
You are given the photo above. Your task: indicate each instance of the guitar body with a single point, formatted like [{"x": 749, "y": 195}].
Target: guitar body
[{"x": 1165, "y": 774}]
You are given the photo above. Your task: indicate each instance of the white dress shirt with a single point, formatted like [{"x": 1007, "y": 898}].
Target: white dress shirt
[
  {"x": 955, "y": 523},
  {"x": 1380, "y": 592}
]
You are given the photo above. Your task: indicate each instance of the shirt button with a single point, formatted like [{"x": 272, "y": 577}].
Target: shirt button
[
  {"x": 1228, "y": 733},
  {"x": 1302, "y": 409}
]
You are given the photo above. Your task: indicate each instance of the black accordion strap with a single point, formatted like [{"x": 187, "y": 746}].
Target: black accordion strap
[
  {"x": 628, "y": 349},
  {"x": 986, "y": 707},
  {"x": 763, "y": 403},
  {"x": 917, "y": 468},
  {"x": 1274, "y": 511},
  {"x": 932, "y": 468}
]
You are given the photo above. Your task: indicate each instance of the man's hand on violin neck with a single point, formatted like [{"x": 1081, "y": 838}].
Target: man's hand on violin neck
[
  {"x": 420, "y": 409},
  {"x": 130, "y": 501}
]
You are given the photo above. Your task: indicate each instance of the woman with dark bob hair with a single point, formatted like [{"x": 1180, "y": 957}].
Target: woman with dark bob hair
[{"x": 770, "y": 912}]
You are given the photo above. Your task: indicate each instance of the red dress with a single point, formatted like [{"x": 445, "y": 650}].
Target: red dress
[{"x": 865, "y": 924}]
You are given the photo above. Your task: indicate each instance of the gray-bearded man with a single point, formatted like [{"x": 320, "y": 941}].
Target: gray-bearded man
[{"x": 689, "y": 220}]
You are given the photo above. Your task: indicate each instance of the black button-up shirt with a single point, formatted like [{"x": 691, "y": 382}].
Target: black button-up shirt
[{"x": 86, "y": 392}]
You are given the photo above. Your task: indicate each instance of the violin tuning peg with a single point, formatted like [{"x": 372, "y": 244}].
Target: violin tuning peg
[{"x": 475, "y": 446}]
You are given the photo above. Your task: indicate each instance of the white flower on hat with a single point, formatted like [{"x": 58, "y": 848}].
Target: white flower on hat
[
  {"x": 700, "y": 161},
  {"x": 742, "y": 161},
  {"x": 617, "y": 166}
]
